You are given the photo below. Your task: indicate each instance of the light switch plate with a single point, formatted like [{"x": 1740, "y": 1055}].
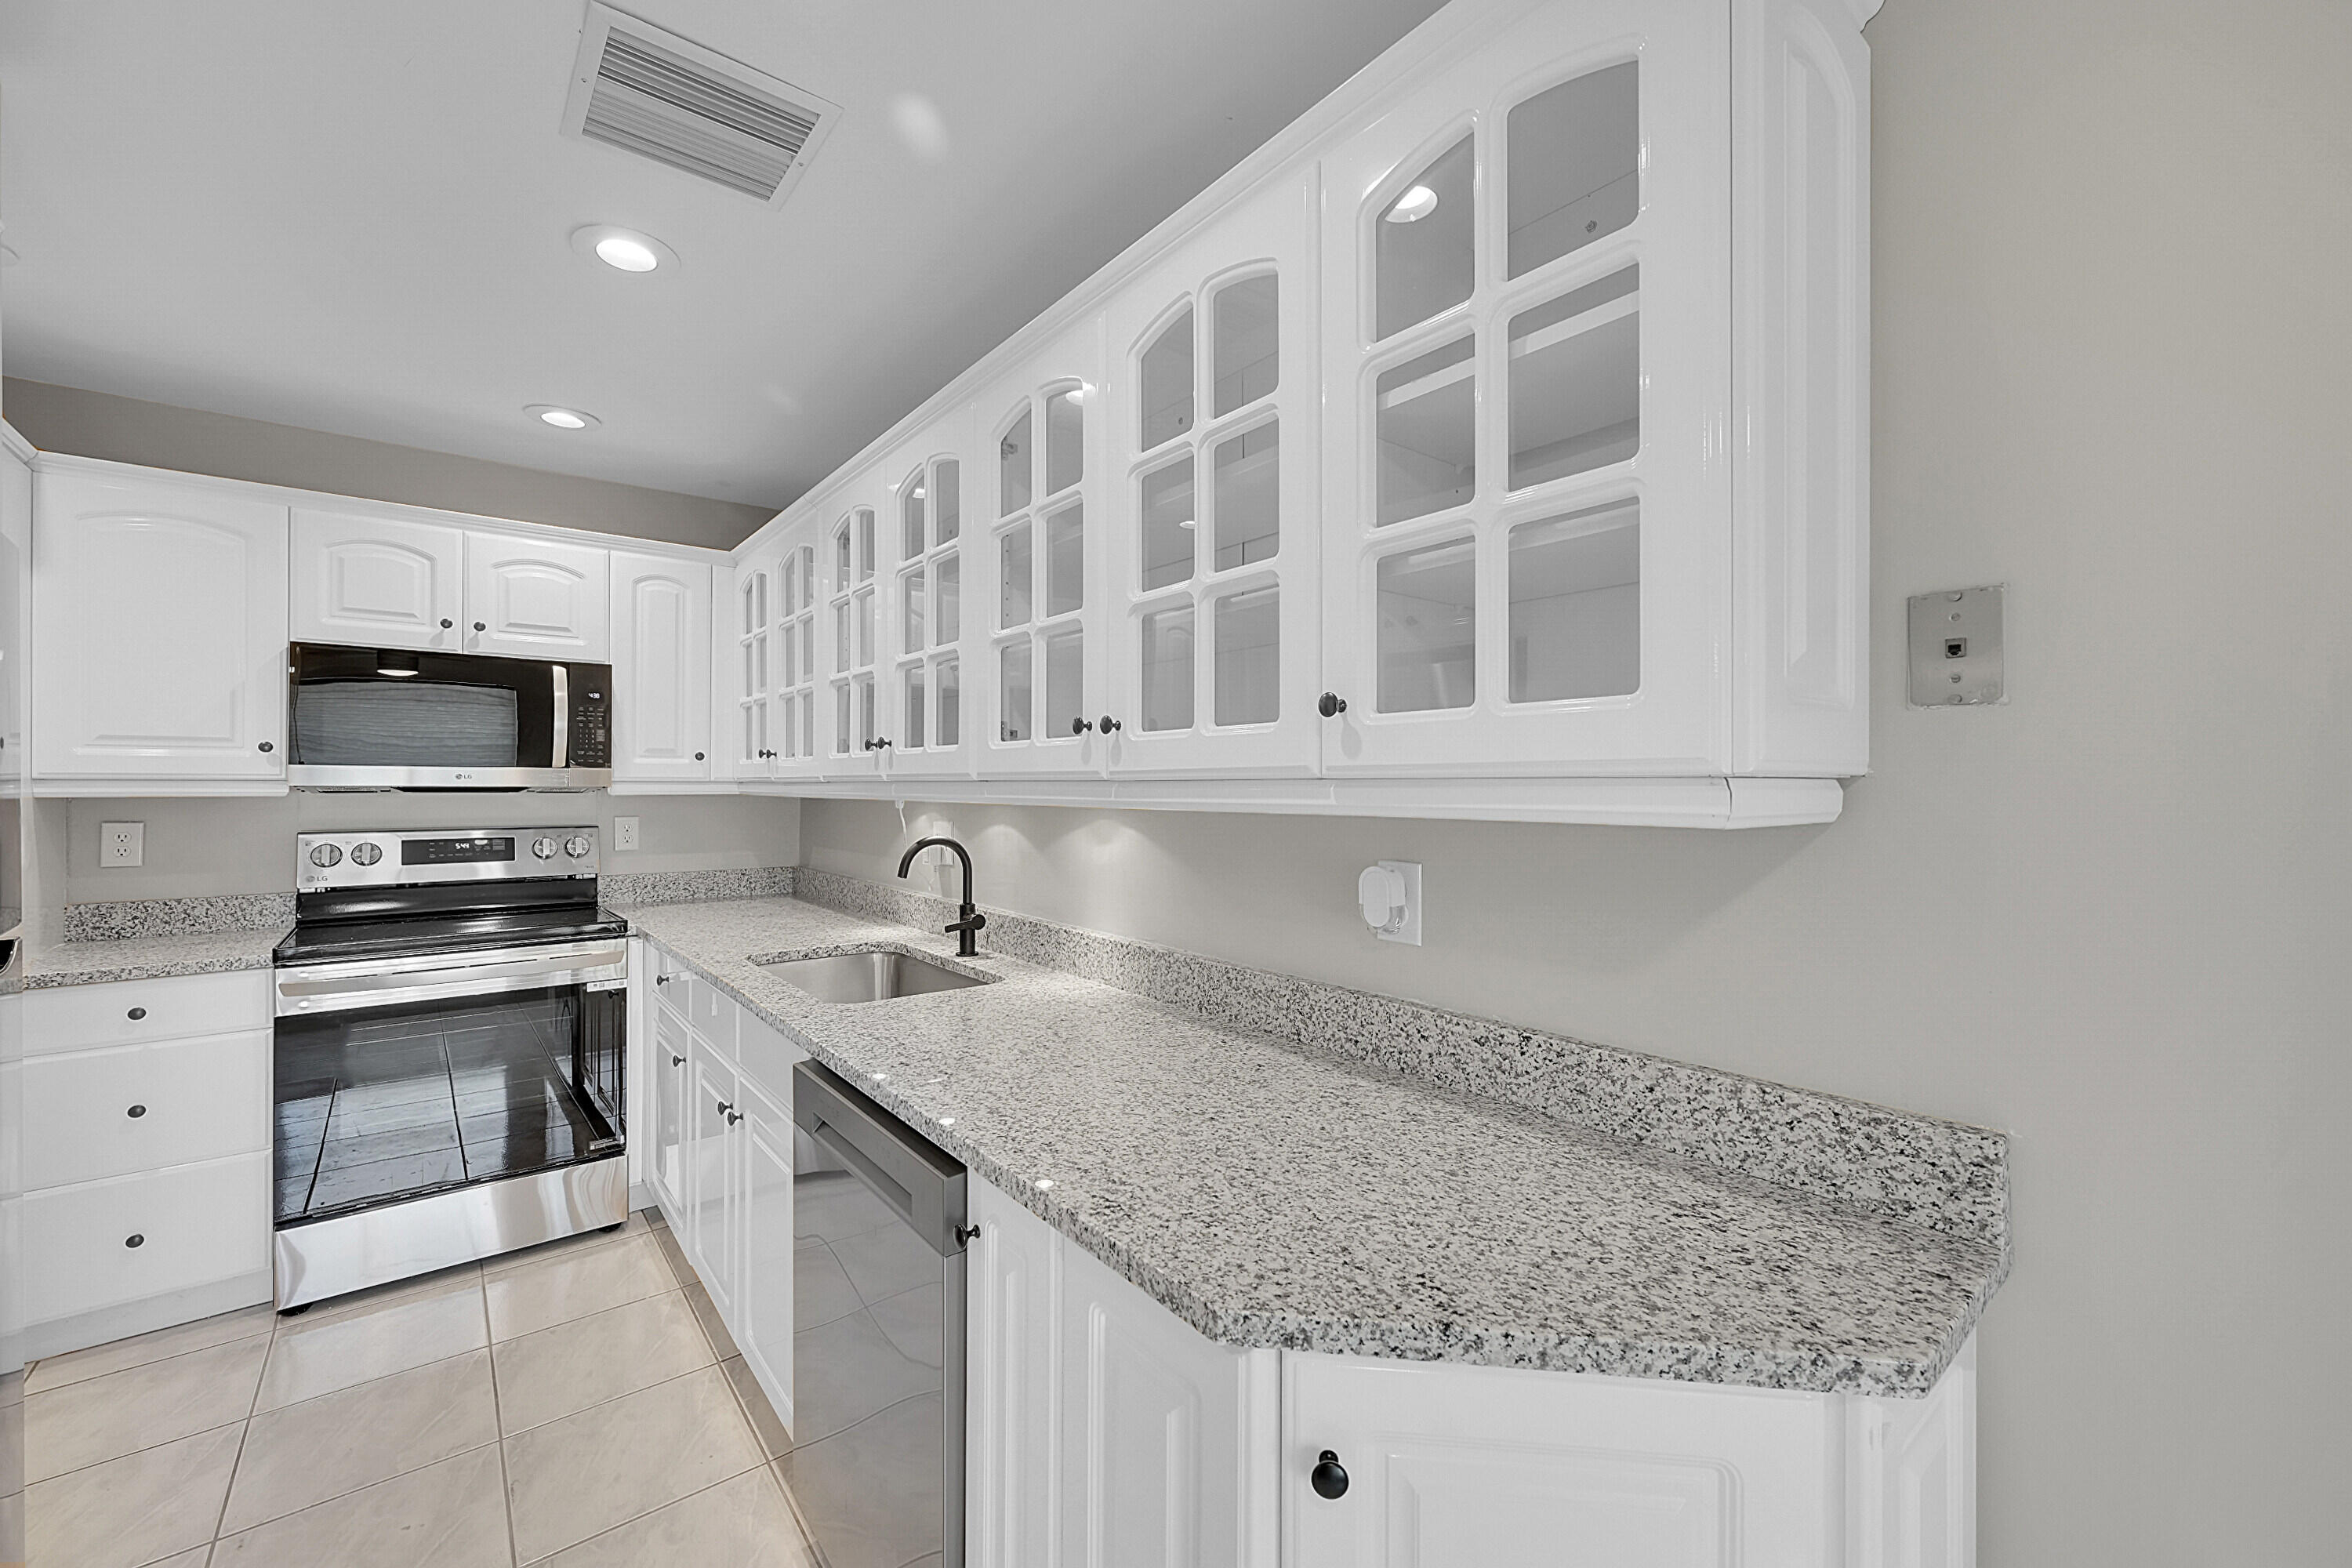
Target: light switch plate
[
  {"x": 624, "y": 833},
  {"x": 1956, "y": 649},
  {"x": 121, "y": 843}
]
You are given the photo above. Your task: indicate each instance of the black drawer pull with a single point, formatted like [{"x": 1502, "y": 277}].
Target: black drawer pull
[
  {"x": 135, "y": 1112},
  {"x": 135, "y": 1239},
  {"x": 136, "y": 1014}
]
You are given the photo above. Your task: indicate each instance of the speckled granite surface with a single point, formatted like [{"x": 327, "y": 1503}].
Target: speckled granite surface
[
  {"x": 179, "y": 917},
  {"x": 1276, "y": 1195},
  {"x": 150, "y": 957},
  {"x": 1943, "y": 1176},
  {"x": 635, "y": 889}
]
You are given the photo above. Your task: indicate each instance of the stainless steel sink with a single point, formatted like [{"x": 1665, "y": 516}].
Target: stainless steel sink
[{"x": 873, "y": 976}]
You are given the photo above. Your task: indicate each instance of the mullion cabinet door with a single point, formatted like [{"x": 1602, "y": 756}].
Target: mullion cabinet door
[
  {"x": 1214, "y": 592},
  {"x": 793, "y": 726},
  {"x": 854, "y": 625},
  {"x": 1041, "y": 647},
  {"x": 754, "y": 655},
  {"x": 932, "y": 545},
  {"x": 1526, "y": 297}
]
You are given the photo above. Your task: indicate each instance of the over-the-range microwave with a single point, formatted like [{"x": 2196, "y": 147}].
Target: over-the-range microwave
[{"x": 364, "y": 718}]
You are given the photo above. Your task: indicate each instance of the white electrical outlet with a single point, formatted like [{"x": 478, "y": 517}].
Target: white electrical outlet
[
  {"x": 1389, "y": 897},
  {"x": 121, "y": 843},
  {"x": 624, "y": 833}
]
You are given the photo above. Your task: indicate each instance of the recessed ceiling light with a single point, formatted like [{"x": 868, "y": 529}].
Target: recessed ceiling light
[
  {"x": 623, "y": 249},
  {"x": 1414, "y": 205},
  {"x": 562, "y": 419}
]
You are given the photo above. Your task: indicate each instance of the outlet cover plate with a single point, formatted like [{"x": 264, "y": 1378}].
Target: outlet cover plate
[
  {"x": 1957, "y": 660},
  {"x": 121, "y": 843},
  {"x": 624, "y": 833},
  {"x": 1409, "y": 929}
]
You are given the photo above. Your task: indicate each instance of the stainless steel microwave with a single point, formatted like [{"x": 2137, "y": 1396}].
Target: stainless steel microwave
[{"x": 368, "y": 718}]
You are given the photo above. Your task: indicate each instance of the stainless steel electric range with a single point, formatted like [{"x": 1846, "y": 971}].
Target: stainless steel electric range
[{"x": 452, "y": 1026}]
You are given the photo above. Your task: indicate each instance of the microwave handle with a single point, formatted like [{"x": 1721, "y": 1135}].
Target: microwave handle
[{"x": 562, "y": 716}]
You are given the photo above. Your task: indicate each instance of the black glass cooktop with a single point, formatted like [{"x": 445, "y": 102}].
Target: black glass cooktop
[{"x": 327, "y": 941}]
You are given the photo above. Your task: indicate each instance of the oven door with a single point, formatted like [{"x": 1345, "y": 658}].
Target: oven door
[{"x": 400, "y": 1079}]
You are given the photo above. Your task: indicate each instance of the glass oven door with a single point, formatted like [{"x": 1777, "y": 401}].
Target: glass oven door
[{"x": 409, "y": 1092}]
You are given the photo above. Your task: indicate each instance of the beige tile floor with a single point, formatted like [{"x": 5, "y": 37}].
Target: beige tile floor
[{"x": 577, "y": 1404}]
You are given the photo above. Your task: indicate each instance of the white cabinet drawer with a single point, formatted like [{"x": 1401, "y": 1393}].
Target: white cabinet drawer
[
  {"x": 74, "y": 1018},
  {"x": 123, "y": 1108},
  {"x": 194, "y": 1225},
  {"x": 712, "y": 1013},
  {"x": 766, "y": 1056}
]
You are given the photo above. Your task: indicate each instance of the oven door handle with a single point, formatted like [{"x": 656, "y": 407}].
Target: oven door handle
[{"x": 299, "y": 995}]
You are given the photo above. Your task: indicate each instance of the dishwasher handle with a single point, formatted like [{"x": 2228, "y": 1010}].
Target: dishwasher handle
[{"x": 923, "y": 1184}]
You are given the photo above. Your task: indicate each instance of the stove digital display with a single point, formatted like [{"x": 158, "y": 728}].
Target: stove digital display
[{"x": 455, "y": 851}]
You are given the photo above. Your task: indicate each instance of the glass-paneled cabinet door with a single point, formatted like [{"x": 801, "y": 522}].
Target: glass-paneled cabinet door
[
  {"x": 793, "y": 726},
  {"x": 751, "y": 622},
  {"x": 934, "y": 539},
  {"x": 1525, "y": 322},
  {"x": 854, "y": 721},
  {"x": 1036, "y": 564},
  {"x": 1213, "y": 540}
]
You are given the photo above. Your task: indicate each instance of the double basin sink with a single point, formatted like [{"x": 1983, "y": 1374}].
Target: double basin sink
[{"x": 877, "y": 975}]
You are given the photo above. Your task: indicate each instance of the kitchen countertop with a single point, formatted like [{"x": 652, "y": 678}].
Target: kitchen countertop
[
  {"x": 149, "y": 957},
  {"x": 1271, "y": 1196}
]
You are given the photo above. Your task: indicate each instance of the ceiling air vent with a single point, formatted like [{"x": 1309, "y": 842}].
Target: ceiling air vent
[{"x": 654, "y": 94}]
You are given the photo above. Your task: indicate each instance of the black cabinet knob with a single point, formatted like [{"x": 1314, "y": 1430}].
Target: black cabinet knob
[
  {"x": 135, "y": 1112},
  {"x": 734, "y": 1116},
  {"x": 1330, "y": 705},
  {"x": 447, "y": 623},
  {"x": 481, "y": 626},
  {"x": 1079, "y": 726},
  {"x": 675, "y": 1061},
  {"x": 267, "y": 746},
  {"x": 135, "y": 1239},
  {"x": 1330, "y": 1478},
  {"x": 136, "y": 1014},
  {"x": 1109, "y": 723},
  {"x": 661, "y": 979},
  {"x": 698, "y": 756}
]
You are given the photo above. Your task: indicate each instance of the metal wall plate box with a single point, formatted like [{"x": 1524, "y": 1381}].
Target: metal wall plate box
[{"x": 1957, "y": 660}]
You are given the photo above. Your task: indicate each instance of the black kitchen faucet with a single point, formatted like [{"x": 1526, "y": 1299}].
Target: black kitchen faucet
[{"x": 969, "y": 919}]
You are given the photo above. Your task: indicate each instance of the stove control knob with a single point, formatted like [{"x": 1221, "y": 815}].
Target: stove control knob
[
  {"x": 366, "y": 853},
  {"x": 325, "y": 855},
  {"x": 578, "y": 846},
  {"x": 543, "y": 848}
]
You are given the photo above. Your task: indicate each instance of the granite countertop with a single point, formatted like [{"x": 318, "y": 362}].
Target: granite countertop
[
  {"x": 1271, "y": 1196},
  {"x": 149, "y": 957}
]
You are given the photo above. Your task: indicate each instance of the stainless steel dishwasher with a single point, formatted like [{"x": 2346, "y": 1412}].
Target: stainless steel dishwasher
[{"x": 878, "y": 1217}]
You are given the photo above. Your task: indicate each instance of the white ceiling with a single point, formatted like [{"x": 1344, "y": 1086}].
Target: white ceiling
[{"x": 356, "y": 217}]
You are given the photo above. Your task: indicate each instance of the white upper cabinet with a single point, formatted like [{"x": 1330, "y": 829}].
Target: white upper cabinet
[
  {"x": 661, "y": 663},
  {"x": 852, "y": 610},
  {"x": 1043, "y": 552},
  {"x": 537, "y": 598},
  {"x": 923, "y": 689},
  {"x": 1526, "y": 319},
  {"x": 384, "y": 581},
  {"x": 159, "y": 612},
  {"x": 1213, "y": 547}
]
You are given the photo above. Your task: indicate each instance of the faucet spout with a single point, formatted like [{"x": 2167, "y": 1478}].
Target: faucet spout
[{"x": 968, "y": 921}]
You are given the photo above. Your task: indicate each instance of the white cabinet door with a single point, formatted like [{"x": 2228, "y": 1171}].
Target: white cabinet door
[
  {"x": 666, "y": 1164},
  {"x": 1012, "y": 1383},
  {"x": 537, "y": 599},
  {"x": 796, "y": 730},
  {"x": 1213, "y": 422},
  {"x": 752, "y": 645},
  {"x": 762, "y": 1322},
  {"x": 1527, "y": 1469},
  {"x": 931, "y": 602},
  {"x": 124, "y": 1109},
  {"x": 661, "y": 665},
  {"x": 712, "y": 1174},
  {"x": 377, "y": 580},
  {"x": 1150, "y": 1417},
  {"x": 1527, "y": 294},
  {"x": 159, "y": 630},
  {"x": 1039, "y": 563},
  {"x": 853, "y": 621},
  {"x": 102, "y": 1244}
]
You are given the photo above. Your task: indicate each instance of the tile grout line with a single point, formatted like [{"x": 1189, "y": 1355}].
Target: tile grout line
[
  {"x": 498, "y": 1425},
  {"x": 243, "y": 1430}
]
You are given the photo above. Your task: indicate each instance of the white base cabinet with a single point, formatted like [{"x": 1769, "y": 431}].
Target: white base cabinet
[
  {"x": 718, "y": 1157},
  {"x": 1102, "y": 1430}
]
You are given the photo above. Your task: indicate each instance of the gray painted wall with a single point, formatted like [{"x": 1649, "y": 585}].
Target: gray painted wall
[
  {"x": 196, "y": 846},
  {"x": 2111, "y": 341},
  {"x": 127, "y": 430}
]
